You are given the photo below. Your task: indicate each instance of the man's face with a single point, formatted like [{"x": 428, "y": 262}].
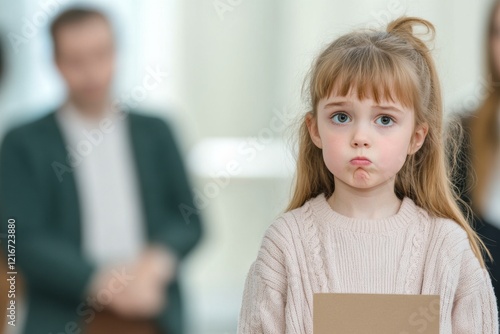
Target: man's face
[{"x": 85, "y": 57}]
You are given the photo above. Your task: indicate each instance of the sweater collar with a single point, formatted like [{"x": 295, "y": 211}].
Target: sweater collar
[{"x": 406, "y": 214}]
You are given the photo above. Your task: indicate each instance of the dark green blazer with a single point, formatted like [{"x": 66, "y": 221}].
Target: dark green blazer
[{"x": 38, "y": 190}]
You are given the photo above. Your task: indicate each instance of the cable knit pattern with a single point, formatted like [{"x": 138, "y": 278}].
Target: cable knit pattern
[
  {"x": 415, "y": 255},
  {"x": 315, "y": 249}
]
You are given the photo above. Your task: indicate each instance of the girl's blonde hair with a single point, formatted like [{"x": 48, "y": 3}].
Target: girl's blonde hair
[
  {"x": 485, "y": 137},
  {"x": 393, "y": 65}
]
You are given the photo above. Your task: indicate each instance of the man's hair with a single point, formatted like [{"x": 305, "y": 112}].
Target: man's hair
[{"x": 73, "y": 16}]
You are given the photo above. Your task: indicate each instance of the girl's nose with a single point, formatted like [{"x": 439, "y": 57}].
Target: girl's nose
[{"x": 360, "y": 138}]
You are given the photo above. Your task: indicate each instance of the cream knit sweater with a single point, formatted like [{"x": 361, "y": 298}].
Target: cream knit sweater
[{"x": 315, "y": 249}]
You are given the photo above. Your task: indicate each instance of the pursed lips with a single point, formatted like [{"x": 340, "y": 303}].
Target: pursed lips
[{"x": 361, "y": 161}]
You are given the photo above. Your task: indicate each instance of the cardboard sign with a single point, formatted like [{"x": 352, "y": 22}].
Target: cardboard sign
[{"x": 345, "y": 313}]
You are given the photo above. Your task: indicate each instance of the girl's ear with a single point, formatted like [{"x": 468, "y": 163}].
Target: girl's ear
[
  {"x": 312, "y": 126},
  {"x": 418, "y": 138}
]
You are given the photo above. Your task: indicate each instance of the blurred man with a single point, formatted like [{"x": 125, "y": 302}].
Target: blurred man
[{"x": 97, "y": 194}]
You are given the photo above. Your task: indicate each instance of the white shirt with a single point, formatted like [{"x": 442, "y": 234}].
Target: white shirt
[{"x": 104, "y": 169}]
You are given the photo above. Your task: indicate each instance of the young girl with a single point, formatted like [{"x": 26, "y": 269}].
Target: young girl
[{"x": 373, "y": 210}]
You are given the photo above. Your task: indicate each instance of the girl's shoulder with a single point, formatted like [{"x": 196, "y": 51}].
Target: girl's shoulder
[
  {"x": 445, "y": 235},
  {"x": 289, "y": 223},
  {"x": 441, "y": 227},
  {"x": 450, "y": 248},
  {"x": 289, "y": 226}
]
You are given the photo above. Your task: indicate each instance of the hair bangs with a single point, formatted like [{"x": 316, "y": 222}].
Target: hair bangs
[{"x": 369, "y": 72}]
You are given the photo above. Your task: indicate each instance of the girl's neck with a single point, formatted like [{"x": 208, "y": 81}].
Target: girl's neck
[{"x": 374, "y": 203}]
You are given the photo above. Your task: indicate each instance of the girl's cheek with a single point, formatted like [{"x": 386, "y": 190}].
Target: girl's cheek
[
  {"x": 393, "y": 154},
  {"x": 334, "y": 145},
  {"x": 332, "y": 164}
]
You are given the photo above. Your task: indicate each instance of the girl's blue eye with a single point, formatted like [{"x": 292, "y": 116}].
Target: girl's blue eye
[
  {"x": 340, "y": 118},
  {"x": 385, "y": 121}
]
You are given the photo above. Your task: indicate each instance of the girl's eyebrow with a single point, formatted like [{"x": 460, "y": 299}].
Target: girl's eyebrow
[
  {"x": 345, "y": 103},
  {"x": 387, "y": 108},
  {"x": 337, "y": 104}
]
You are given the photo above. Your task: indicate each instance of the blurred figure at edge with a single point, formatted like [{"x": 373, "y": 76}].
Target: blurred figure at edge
[{"x": 100, "y": 198}]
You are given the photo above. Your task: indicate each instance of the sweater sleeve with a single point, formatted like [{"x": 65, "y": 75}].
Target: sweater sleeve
[
  {"x": 264, "y": 297},
  {"x": 263, "y": 308},
  {"x": 475, "y": 306}
]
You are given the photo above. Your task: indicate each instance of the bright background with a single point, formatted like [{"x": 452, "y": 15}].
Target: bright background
[{"x": 235, "y": 69}]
